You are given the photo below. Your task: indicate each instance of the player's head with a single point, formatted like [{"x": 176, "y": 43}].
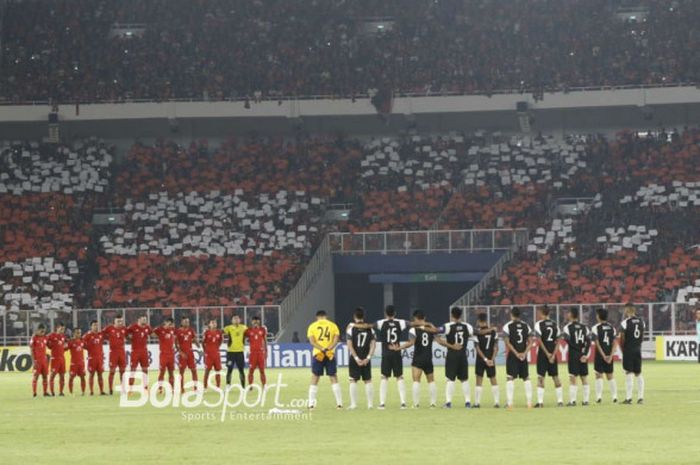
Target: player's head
[
  {"x": 418, "y": 316},
  {"x": 255, "y": 321},
  {"x": 456, "y": 313},
  {"x": 212, "y": 324},
  {"x": 697, "y": 314},
  {"x": 118, "y": 321},
  {"x": 60, "y": 328},
  {"x": 236, "y": 320},
  {"x": 168, "y": 323},
  {"x": 359, "y": 315},
  {"x": 543, "y": 312},
  {"x": 482, "y": 320},
  {"x": 601, "y": 314},
  {"x": 93, "y": 326},
  {"x": 573, "y": 314},
  {"x": 515, "y": 313},
  {"x": 41, "y": 330},
  {"x": 77, "y": 333},
  {"x": 321, "y": 315},
  {"x": 142, "y": 320},
  {"x": 185, "y": 322},
  {"x": 630, "y": 310},
  {"x": 390, "y": 311}
]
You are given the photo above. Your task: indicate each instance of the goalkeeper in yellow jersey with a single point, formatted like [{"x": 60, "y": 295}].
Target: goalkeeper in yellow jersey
[{"x": 324, "y": 336}]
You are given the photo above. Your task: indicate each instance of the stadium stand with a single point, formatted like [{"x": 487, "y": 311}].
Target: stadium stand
[
  {"x": 47, "y": 195},
  {"x": 636, "y": 242},
  {"x": 270, "y": 48}
]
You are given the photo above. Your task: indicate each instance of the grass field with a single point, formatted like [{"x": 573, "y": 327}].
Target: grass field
[{"x": 96, "y": 430}]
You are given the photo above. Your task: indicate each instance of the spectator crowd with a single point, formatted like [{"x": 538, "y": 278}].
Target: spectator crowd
[{"x": 96, "y": 50}]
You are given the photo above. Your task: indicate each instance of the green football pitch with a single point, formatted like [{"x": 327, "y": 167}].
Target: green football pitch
[{"x": 97, "y": 430}]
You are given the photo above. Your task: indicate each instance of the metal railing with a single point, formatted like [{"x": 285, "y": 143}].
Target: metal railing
[
  {"x": 346, "y": 96},
  {"x": 308, "y": 278},
  {"x": 429, "y": 241},
  {"x": 661, "y": 318},
  {"x": 473, "y": 294},
  {"x": 17, "y": 327}
]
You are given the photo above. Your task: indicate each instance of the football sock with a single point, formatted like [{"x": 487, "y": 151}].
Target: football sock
[
  {"x": 100, "y": 382},
  {"x": 629, "y": 383},
  {"x": 241, "y": 376},
  {"x": 560, "y": 394},
  {"x": 449, "y": 391},
  {"x": 228, "y": 375},
  {"x": 528, "y": 392},
  {"x": 313, "y": 389},
  {"x": 586, "y": 393},
  {"x": 70, "y": 384},
  {"x": 218, "y": 379},
  {"x": 206, "y": 378},
  {"x": 34, "y": 382},
  {"x": 467, "y": 392},
  {"x": 599, "y": 388},
  {"x": 82, "y": 384},
  {"x": 509, "y": 392},
  {"x": 353, "y": 395},
  {"x": 573, "y": 390},
  {"x": 416, "y": 392},
  {"x": 51, "y": 381},
  {"x": 432, "y": 390},
  {"x": 92, "y": 381},
  {"x": 369, "y": 391},
  {"x": 337, "y": 393},
  {"x": 613, "y": 388},
  {"x": 402, "y": 390},
  {"x": 496, "y": 394},
  {"x": 540, "y": 395},
  {"x": 383, "y": 385},
  {"x": 640, "y": 387},
  {"x": 61, "y": 382},
  {"x": 111, "y": 380},
  {"x": 263, "y": 378},
  {"x": 477, "y": 395}
]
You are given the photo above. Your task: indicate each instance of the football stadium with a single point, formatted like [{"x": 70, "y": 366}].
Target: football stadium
[{"x": 326, "y": 231}]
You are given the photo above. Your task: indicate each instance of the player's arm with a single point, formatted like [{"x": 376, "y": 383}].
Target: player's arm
[
  {"x": 372, "y": 346},
  {"x": 364, "y": 325},
  {"x": 314, "y": 343},
  {"x": 430, "y": 328},
  {"x": 443, "y": 342},
  {"x": 334, "y": 342},
  {"x": 410, "y": 343},
  {"x": 351, "y": 349}
]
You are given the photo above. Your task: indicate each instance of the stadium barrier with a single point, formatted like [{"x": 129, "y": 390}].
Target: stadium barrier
[
  {"x": 428, "y": 241},
  {"x": 14, "y": 334}
]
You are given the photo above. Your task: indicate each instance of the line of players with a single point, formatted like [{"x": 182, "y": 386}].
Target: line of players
[
  {"x": 454, "y": 335},
  {"x": 171, "y": 341}
]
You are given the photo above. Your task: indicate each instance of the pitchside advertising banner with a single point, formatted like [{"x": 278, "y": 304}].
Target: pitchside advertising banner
[
  {"x": 678, "y": 348},
  {"x": 296, "y": 356}
]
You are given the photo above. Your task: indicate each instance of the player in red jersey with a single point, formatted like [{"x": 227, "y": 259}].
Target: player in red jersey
[
  {"x": 185, "y": 336},
  {"x": 211, "y": 342},
  {"x": 56, "y": 342},
  {"x": 166, "y": 340},
  {"x": 116, "y": 335},
  {"x": 138, "y": 333},
  {"x": 41, "y": 364},
  {"x": 257, "y": 340},
  {"x": 76, "y": 346},
  {"x": 93, "y": 340}
]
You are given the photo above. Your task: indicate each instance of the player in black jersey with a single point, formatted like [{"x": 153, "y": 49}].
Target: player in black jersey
[
  {"x": 547, "y": 334},
  {"x": 578, "y": 338},
  {"x": 421, "y": 339},
  {"x": 456, "y": 334},
  {"x": 518, "y": 341},
  {"x": 389, "y": 332},
  {"x": 361, "y": 344},
  {"x": 604, "y": 337},
  {"x": 631, "y": 337},
  {"x": 486, "y": 350}
]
